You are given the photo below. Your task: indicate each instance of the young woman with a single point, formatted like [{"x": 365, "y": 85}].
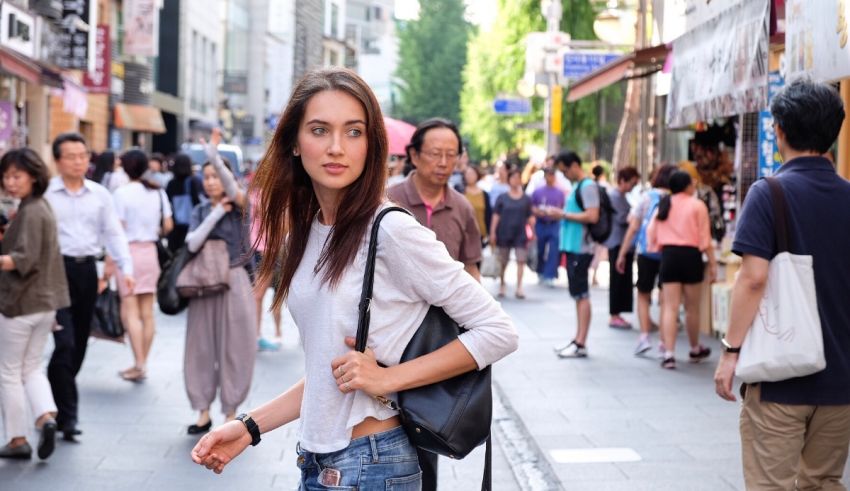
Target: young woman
[
  {"x": 680, "y": 229},
  {"x": 479, "y": 199},
  {"x": 144, "y": 211},
  {"x": 512, "y": 213},
  {"x": 32, "y": 288},
  {"x": 221, "y": 329},
  {"x": 184, "y": 194},
  {"x": 322, "y": 181}
]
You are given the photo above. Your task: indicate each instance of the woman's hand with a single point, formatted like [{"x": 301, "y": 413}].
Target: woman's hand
[
  {"x": 621, "y": 264},
  {"x": 712, "y": 271},
  {"x": 360, "y": 371},
  {"x": 217, "y": 448},
  {"x": 227, "y": 204},
  {"x": 493, "y": 239}
]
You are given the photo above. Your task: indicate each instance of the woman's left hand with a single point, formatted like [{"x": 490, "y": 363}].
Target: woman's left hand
[
  {"x": 712, "y": 272},
  {"x": 359, "y": 371}
]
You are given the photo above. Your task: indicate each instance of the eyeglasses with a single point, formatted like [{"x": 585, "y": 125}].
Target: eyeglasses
[
  {"x": 75, "y": 156},
  {"x": 436, "y": 155}
]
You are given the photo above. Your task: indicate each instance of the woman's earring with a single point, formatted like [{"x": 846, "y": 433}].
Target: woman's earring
[{"x": 295, "y": 153}]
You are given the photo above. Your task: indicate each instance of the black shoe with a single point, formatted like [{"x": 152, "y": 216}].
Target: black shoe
[
  {"x": 47, "y": 441},
  {"x": 197, "y": 430},
  {"x": 21, "y": 452},
  {"x": 72, "y": 430},
  {"x": 700, "y": 354},
  {"x": 69, "y": 433}
]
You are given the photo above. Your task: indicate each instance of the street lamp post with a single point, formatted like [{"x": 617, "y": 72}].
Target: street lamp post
[{"x": 552, "y": 11}]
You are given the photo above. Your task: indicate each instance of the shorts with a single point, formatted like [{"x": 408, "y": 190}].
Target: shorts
[
  {"x": 504, "y": 253},
  {"x": 682, "y": 265},
  {"x": 578, "y": 266},
  {"x": 648, "y": 273}
]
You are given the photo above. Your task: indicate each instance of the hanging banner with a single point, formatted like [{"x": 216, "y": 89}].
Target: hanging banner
[
  {"x": 7, "y": 124},
  {"x": 98, "y": 80},
  {"x": 816, "y": 37},
  {"x": 141, "y": 27},
  {"x": 720, "y": 68},
  {"x": 769, "y": 158},
  {"x": 77, "y": 35}
]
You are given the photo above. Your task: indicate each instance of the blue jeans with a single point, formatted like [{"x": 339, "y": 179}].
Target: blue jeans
[
  {"x": 382, "y": 461},
  {"x": 548, "y": 254}
]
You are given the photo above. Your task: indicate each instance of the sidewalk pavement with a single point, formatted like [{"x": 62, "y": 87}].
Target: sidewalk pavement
[
  {"x": 646, "y": 428},
  {"x": 134, "y": 435}
]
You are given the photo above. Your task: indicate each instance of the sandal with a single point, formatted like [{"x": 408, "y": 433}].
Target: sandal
[
  {"x": 669, "y": 363},
  {"x": 700, "y": 354},
  {"x": 133, "y": 374},
  {"x": 520, "y": 295}
]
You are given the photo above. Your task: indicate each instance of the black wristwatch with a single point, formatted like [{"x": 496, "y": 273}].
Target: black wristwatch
[
  {"x": 728, "y": 347},
  {"x": 252, "y": 427}
]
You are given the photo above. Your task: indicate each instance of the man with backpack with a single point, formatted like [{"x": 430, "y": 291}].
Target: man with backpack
[{"x": 580, "y": 215}]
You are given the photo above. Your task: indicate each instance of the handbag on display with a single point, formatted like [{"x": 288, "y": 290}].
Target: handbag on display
[
  {"x": 449, "y": 418},
  {"x": 169, "y": 300},
  {"x": 106, "y": 321},
  {"x": 785, "y": 340},
  {"x": 207, "y": 272}
]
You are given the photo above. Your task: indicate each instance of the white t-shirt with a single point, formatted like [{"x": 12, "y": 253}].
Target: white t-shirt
[
  {"x": 413, "y": 271},
  {"x": 140, "y": 210}
]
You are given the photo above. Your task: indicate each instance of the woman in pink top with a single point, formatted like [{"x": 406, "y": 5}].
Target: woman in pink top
[{"x": 680, "y": 230}]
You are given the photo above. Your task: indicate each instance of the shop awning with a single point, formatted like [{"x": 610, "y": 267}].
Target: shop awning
[
  {"x": 639, "y": 63},
  {"x": 19, "y": 65},
  {"x": 139, "y": 118},
  {"x": 50, "y": 76}
]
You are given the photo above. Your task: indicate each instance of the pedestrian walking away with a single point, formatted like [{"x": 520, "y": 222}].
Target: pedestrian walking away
[
  {"x": 145, "y": 213},
  {"x": 620, "y": 291},
  {"x": 433, "y": 151},
  {"x": 480, "y": 201},
  {"x": 548, "y": 229},
  {"x": 220, "y": 328},
  {"x": 184, "y": 194},
  {"x": 86, "y": 220},
  {"x": 512, "y": 219},
  {"x": 648, "y": 263},
  {"x": 680, "y": 230},
  {"x": 331, "y": 135},
  {"x": 795, "y": 432},
  {"x": 32, "y": 288},
  {"x": 577, "y": 243}
]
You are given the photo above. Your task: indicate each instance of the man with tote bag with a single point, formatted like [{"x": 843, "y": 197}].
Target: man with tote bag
[{"x": 795, "y": 425}]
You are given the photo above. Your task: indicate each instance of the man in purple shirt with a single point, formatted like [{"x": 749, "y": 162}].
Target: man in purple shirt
[{"x": 547, "y": 228}]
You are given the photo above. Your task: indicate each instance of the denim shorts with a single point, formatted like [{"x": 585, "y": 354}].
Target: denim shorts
[{"x": 382, "y": 461}]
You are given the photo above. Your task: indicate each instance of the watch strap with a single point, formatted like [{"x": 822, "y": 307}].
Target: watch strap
[
  {"x": 728, "y": 348},
  {"x": 252, "y": 427}
]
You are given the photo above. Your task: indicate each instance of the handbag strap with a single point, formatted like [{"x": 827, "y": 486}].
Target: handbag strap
[
  {"x": 780, "y": 214},
  {"x": 369, "y": 280}
]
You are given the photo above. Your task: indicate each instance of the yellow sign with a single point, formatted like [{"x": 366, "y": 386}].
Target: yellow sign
[{"x": 557, "y": 96}]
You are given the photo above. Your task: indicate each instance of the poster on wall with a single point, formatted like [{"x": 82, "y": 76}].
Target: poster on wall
[
  {"x": 77, "y": 37},
  {"x": 815, "y": 47},
  {"x": 7, "y": 121},
  {"x": 720, "y": 68},
  {"x": 141, "y": 27},
  {"x": 769, "y": 158}
]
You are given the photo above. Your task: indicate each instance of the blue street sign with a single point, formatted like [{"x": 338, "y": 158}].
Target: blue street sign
[
  {"x": 577, "y": 64},
  {"x": 512, "y": 106},
  {"x": 769, "y": 158}
]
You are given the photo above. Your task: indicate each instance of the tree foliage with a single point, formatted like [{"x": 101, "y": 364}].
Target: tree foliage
[
  {"x": 495, "y": 67},
  {"x": 432, "y": 54}
]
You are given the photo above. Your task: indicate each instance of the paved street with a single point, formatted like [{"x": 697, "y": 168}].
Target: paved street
[{"x": 662, "y": 430}]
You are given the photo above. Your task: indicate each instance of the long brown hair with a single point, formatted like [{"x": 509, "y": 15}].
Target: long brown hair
[{"x": 287, "y": 203}]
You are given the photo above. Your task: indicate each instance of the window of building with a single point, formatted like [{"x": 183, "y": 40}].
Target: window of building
[{"x": 334, "y": 20}]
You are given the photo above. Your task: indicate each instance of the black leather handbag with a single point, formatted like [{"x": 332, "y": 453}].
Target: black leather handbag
[
  {"x": 451, "y": 417},
  {"x": 106, "y": 321},
  {"x": 169, "y": 300}
]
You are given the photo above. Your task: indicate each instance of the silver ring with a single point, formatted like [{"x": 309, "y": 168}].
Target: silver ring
[
  {"x": 346, "y": 387},
  {"x": 341, "y": 372}
]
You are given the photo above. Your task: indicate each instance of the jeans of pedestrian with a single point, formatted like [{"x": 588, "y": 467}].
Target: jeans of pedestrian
[
  {"x": 22, "y": 378},
  {"x": 548, "y": 255},
  {"x": 73, "y": 339},
  {"x": 381, "y": 461}
]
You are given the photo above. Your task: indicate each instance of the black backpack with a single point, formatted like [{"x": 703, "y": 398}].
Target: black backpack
[{"x": 601, "y": 230}]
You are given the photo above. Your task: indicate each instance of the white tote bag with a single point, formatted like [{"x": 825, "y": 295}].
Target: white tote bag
[
  {"x": 785, "y": 340},
  {"x": 490, "y": 265}
]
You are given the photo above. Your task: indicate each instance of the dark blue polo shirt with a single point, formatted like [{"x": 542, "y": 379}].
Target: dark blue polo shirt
[{"x": 818, "y": 203}]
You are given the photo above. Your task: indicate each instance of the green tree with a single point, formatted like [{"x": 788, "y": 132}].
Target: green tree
[
  {"x": 432, "y": 54},
  {"x": 497, "y": 64}
]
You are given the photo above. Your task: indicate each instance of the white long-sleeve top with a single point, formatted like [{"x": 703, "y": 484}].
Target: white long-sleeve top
[{"x": 413, "y": 271}]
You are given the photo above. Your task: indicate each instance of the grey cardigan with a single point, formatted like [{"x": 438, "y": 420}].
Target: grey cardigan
[{"x": 38, "y": 282}]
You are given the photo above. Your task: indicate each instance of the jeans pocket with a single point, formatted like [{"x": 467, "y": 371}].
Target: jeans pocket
[{"x": 412, "y": 482}]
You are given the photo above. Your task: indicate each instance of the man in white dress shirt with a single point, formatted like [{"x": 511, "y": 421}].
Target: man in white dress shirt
[{"x": 86, "y": 218}]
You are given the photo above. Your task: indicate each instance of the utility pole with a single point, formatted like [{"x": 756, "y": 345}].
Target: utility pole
[{"x": 552, "y": 11}]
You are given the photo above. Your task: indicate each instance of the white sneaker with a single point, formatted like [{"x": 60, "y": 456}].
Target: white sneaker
[
  {"x": 643, "y": 346},
  {"x": 573, "y": 351}
]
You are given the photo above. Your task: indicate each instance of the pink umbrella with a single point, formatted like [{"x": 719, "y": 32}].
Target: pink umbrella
[{"x": 398, "y": 134}]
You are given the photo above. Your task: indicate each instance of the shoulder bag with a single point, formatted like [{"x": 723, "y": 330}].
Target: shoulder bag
[
  {"x": 163, "y": 253},
  {"x": 207, "y": 273},
  {"x": 785, "y": 340},
  {"x": 169, "y": 300},
  {"x": 451, "y": 417}
]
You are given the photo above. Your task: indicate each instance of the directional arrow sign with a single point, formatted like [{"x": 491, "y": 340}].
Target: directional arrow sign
[
  {"x": 577, "y": 64},
  {"x": 511, "y": 106}
]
